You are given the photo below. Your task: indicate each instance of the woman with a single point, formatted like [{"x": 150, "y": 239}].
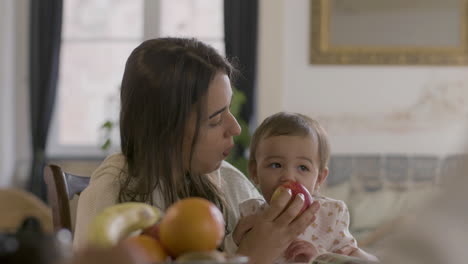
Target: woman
[{"x": 176, "y": 129}]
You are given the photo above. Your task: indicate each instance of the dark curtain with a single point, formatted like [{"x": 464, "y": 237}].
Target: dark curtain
[
  {"x": 44, "y": 47},
  {"x": 240, "y": 36}
]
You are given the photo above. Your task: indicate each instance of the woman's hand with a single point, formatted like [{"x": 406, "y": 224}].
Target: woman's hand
[
  {"x": 301, "y": 251},
  {"x": 244, "y": 225},
  {"x": 275, "y": 228}
]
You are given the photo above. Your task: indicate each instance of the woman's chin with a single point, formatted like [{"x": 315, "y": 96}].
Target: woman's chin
[
  {"x": 215, "y": 167},
  {"x": 208, "y": 168}
]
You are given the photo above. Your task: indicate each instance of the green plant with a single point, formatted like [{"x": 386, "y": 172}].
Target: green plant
[
  {"x": 237, "y": 158},
  {"x": 107, "y": 129}
]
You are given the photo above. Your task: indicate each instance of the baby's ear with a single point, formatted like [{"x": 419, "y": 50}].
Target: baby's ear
[
  {"x": 322, "y": 177},
  {"x": 253, "y": 171}
]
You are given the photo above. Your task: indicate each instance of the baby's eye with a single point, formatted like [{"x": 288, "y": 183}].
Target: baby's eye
[
  {"x": 303, "y": 168},
  {"x": 275, "y": 165}
]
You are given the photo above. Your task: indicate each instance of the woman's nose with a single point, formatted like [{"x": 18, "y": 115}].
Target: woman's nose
[{"x": 234, "y": 127}]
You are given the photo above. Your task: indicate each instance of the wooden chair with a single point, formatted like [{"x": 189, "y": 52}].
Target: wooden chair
[{"x": 61, "y": 187}]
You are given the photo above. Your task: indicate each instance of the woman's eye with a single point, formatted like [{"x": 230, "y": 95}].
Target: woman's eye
[
  {"x": 275, "y": 165},
  {"x": 303, "y": 168},
  {"x": 217, "y": 123}
]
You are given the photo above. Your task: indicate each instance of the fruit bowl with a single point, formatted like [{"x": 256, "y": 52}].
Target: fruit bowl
[
  {"x": 233, "y": 260},
  {"x": 190, "y": 231},
  {"x": 210, "y": 257}
]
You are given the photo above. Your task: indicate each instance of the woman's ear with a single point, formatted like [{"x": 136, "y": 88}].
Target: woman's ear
[
  {"x": 321, "y": 177},
  {"x": 253, "y": 171}
]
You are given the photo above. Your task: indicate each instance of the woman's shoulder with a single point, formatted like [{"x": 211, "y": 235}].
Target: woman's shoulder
[
  {"x": 228, "y": 171},
  {"x": 110, "y": 168},
  {"x": 104, "y": 180},
  {"x": 101, "y": 192},
  {"x": 232, "y": 176},
  {"x": 233, "y": 180}
]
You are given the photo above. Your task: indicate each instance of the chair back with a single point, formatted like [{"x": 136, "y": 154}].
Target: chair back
[{"x": 61, "y": 187}]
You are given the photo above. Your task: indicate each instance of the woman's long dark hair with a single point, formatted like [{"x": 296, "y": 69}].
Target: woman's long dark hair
[{"x": 165, "y": 80}]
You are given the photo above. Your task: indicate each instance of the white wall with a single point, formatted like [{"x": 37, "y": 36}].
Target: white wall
[
  {"x": 14, "y": 128},
  {"x": 7, "y": 121},
  {"x": 366, "y": 109},
  {"x": 23, "y": 131}
]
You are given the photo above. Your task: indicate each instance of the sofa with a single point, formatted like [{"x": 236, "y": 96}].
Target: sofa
[{"x": 380, "y": 188}]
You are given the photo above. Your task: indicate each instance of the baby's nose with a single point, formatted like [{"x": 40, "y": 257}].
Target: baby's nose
[{"x": 288, "y": 175}]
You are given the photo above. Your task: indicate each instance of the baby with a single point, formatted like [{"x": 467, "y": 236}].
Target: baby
[{"x": 294, "y": 147}]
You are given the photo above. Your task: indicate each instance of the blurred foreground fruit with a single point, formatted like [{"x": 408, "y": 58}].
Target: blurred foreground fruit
[
  {"x": 195, "y": 256},
  {"x": 118, "y": 221},
  {"x": 295, "y": 188},
  {"x": 150, "y": 248},
  {"x": 152, "y": 231},
  {"x": 192, "y": 224}
]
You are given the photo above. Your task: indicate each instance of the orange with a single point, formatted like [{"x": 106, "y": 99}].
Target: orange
[
  {"x": 149, "y": 247},
  {"x": 191, "y": 224}
]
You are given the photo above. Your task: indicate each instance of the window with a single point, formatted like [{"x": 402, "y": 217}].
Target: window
[{"x": 97, "y": 38}]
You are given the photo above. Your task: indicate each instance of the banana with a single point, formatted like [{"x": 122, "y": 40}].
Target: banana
[{"x": 118, "y": 221}]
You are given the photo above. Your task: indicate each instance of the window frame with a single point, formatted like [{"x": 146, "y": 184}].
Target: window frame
[
  {"x": 54, "y": 150},
  {"x": 151, "y": 25}
]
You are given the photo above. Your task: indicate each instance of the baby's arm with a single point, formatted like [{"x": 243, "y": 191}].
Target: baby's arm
[
  {"x": 356, "y": 252},
  {"x": 359, "y": 253},
  {"x": 345, "y": 243}
]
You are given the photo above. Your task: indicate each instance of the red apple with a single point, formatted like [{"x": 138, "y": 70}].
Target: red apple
[{"x": 295, "y": 188}]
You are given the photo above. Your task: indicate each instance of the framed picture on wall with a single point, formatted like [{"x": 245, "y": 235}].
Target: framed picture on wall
[{"x": 400, "y": 32}]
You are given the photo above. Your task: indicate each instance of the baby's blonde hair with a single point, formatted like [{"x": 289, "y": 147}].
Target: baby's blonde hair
[{"x": 292, "y": 124}]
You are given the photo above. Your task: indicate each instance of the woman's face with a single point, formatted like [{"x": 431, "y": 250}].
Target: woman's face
[{"x": 217, "y": 128}]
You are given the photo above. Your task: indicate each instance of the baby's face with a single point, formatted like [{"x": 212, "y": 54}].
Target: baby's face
[{"x": 283, "y": 158}]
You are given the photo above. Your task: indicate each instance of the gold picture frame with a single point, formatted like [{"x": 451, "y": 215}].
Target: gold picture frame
[{"x": 324, "y": 51}]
